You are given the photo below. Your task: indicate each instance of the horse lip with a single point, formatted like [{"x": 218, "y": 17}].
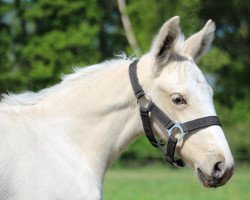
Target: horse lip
[{"x": 209, "y": 182}]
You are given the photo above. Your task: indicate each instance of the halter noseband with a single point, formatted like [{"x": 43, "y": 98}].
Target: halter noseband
[{"x": 170, "y": 126}]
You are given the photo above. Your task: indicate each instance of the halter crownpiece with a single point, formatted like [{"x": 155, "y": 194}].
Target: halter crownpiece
[{"x": 171, "y": 127}]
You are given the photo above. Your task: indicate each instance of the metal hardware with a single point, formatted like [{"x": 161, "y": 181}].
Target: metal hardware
[
  {"x": 176, "y": 128},
  {"x": 144, "y": 101}
]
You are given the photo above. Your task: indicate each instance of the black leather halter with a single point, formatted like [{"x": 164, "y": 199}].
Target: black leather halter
[{"x": 171, "y": 127}]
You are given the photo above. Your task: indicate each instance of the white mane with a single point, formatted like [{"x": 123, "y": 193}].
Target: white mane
[{"x": 30, "y": 98}]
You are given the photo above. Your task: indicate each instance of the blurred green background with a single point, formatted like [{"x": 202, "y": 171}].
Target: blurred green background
[
  {"x": 159, "y": 182},
  {"x": 42, "y": 39}
]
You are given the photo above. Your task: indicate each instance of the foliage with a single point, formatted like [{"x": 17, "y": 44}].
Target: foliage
[
  {"x": 46, "y": 38},
  {"x": 236, "y": 122},
  {"x": 42, "y": 39}
]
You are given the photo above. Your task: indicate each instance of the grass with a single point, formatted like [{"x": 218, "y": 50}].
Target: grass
[{"x": 158, "y": 182}]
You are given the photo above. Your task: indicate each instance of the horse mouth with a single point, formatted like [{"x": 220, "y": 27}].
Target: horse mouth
[{"x": 211, "y": 182}]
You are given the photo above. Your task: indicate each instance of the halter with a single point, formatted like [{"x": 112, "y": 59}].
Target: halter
[{"x": 171, "y": 127}]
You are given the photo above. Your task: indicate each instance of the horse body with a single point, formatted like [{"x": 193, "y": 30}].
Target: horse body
[
  {"x": 38, "y": 162},
  {"x": 58, "y": 143},
  {"x": 49, "y": 150}
]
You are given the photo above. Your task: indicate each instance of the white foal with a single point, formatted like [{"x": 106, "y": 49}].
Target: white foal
[{"x": 58, "y": 143}]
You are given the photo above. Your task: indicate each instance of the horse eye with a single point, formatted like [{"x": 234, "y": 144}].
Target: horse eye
[{"x": 178, "y": 99}]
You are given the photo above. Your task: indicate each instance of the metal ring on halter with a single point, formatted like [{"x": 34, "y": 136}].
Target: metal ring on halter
[
  {"x": 145, "y": 102},
  {"x": 180, "y": 130}
]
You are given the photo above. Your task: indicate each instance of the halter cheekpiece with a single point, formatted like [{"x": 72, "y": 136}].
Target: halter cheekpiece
[{"x": 171, "y": 127}]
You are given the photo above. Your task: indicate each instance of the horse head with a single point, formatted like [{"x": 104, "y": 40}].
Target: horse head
[{"x": 179, "y": 88}]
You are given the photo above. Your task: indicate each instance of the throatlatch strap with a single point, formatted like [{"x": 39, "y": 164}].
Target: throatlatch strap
[
  {"x": 147, "y": 127},
  {"x": 172, "y": 141}
]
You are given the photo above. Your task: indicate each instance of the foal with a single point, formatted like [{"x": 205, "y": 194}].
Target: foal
[{"x": 58, "y": 143}]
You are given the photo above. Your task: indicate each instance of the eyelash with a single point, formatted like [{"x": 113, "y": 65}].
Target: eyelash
[{"x": 178, "y": 99}]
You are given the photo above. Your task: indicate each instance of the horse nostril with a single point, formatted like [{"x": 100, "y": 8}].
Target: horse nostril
[{"x": 218, "y": 169}]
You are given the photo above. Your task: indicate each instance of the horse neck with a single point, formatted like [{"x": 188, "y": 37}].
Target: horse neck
[{"x": 103, "y": 114}]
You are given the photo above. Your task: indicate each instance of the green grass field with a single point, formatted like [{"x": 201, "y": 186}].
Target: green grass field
[{"x": 159, "y": 183}]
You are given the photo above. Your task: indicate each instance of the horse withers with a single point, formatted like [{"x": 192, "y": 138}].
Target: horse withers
[{"x": 58, "y": 143}]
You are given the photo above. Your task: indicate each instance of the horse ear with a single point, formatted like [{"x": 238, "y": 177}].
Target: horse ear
[
  {"x": 199, "y": 43},
  {"x": 164, "y": 42}
]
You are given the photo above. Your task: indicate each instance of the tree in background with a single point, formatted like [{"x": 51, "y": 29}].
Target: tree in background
[
  {"x": 230, "y": 61},
  {"x": 48, "y": 38},
  {"x": 6, "y": 53},
  {"x": 42, "y": 39}
]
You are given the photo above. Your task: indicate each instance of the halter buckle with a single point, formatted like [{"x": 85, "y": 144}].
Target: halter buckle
[
  {"x": 144, "y": 101},
  {"x": 176, "y": 130}
]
